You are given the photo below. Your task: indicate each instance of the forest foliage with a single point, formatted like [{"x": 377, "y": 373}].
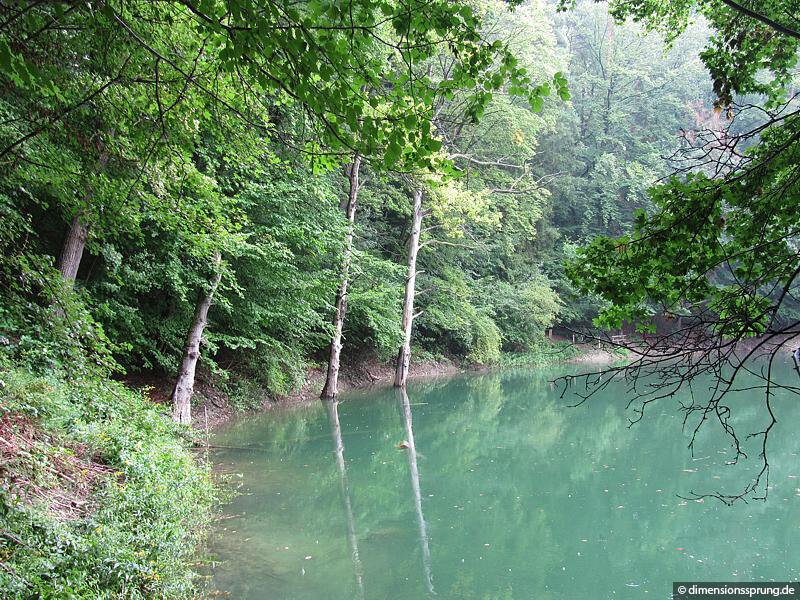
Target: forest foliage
[
  {"x": 163, "y": 170},
  {"x": 153, "y": 155}
]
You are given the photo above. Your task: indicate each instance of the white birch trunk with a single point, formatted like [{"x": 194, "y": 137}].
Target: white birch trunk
[
  {"x": 184, "y": 386},
  {"x": 404, "y": 355},
  {"x": 332, "y": 380}
]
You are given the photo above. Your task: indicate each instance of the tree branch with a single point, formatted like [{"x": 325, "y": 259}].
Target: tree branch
[{"x": 764, "y": 19}]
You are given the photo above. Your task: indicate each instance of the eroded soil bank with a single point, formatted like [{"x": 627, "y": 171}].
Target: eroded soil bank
[{"x": 212, "y": 407}]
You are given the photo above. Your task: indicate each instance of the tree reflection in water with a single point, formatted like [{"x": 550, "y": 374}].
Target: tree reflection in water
[
  {"x": 332, "y": 407},
  {"x": 413, "y": 470}
]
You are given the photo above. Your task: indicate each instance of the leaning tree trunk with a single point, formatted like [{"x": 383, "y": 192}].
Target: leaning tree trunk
[
  {"x": 332, "y": 380},
  {"x": 184, "y": 386},
  {"x": 72, "y": 251},
  {"x": 404, "y": 355},
  {"x": 69, "y": 261}
]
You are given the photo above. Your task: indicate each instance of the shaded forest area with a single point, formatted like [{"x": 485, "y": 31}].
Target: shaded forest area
[{"x": 128, "y": 210}]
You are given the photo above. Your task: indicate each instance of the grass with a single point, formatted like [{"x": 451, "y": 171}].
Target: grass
[
  {"x": 548, "y": 353},
  {"x": 99, "y": 497}
]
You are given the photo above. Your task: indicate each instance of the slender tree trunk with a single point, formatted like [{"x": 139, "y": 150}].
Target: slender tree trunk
[
  {"x": 332, "y": 380},
  {"x": 72, "y": 251},
  {"x": 404, "y": 355},
  {"x": 69, "y": 261},
  {"x": 184, "y": 386}
]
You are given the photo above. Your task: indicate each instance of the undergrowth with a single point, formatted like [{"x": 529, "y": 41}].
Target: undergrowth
[
  {"x": 546, "y": 353},
  {"x": 100, "y": 498}
]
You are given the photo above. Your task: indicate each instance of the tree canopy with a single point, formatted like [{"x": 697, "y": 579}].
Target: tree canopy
[{"x": 718, "y": 250}]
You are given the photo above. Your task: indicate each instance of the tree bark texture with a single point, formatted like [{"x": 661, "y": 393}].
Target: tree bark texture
[
  {"x": 404, "y": 355},
  {"x": 184, "y": 385},
  {"x": 332, "y": 379},
  {"x": 69, "y": 261},
  {"x": 72, "y": 251}
]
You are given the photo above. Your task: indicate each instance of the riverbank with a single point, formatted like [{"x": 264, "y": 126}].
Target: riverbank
[
  {"x": 213, "y": 406},
  {"x": 100, "y": 496}
]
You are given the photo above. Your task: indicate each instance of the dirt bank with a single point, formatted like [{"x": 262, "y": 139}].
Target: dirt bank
[
  {"x": 212, "y": 407},
  {"x": 591, "y": 355}
]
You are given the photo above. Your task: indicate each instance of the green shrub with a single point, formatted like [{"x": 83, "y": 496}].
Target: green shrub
[
  {"x": 485, "y": 344},
  {"x": 542, "y": 354},
  {"x": 523, "y": 312},
  {"x": 44, "y": 324},
  {"x": 147, "y": 509},
  {"x": 375, "y": 305}
]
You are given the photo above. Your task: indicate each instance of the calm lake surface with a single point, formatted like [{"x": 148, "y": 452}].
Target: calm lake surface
[{"x": 510, "y": 494}]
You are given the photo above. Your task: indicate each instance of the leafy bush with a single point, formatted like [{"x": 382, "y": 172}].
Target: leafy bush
[
  {"x": 375, "y": 304},
  {"x": 486, "y": 338},
  {"x": 44, "y": 325},
  {"x": 477, "y": 319},
  {"x": 146, "y": 511},
  {"x": 542, "y": 354},
  {"x": 523, "y": 312}
]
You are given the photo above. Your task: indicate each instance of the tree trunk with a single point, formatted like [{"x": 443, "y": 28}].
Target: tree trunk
[
  {"x": 72, "y": 251},
  {"x": 404, "y": 355},
  {"x": 184, "y": 386},
  {"x": 332, "y": 380}
]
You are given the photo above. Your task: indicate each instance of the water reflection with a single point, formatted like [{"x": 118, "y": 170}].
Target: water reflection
[
  {"x": 523, "y": 497},
  {"x": 413, "y": 470},
  {"x": 332, "y": 407}
]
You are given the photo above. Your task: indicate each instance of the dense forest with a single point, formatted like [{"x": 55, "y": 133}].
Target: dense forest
[
  {"x": 242, "y": 190},
  {"x": 146, "y": 209}
]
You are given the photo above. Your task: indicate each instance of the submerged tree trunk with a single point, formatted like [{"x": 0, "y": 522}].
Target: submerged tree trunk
[
  {"x": 404, "y": 355},
  {"x": 72, "y": 251},
  {"x": 332, "y": 380},
  {"x": 184, "y": 386}
]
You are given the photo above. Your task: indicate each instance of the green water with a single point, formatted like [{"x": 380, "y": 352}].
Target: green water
[{"x": 510, "y": 494}]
